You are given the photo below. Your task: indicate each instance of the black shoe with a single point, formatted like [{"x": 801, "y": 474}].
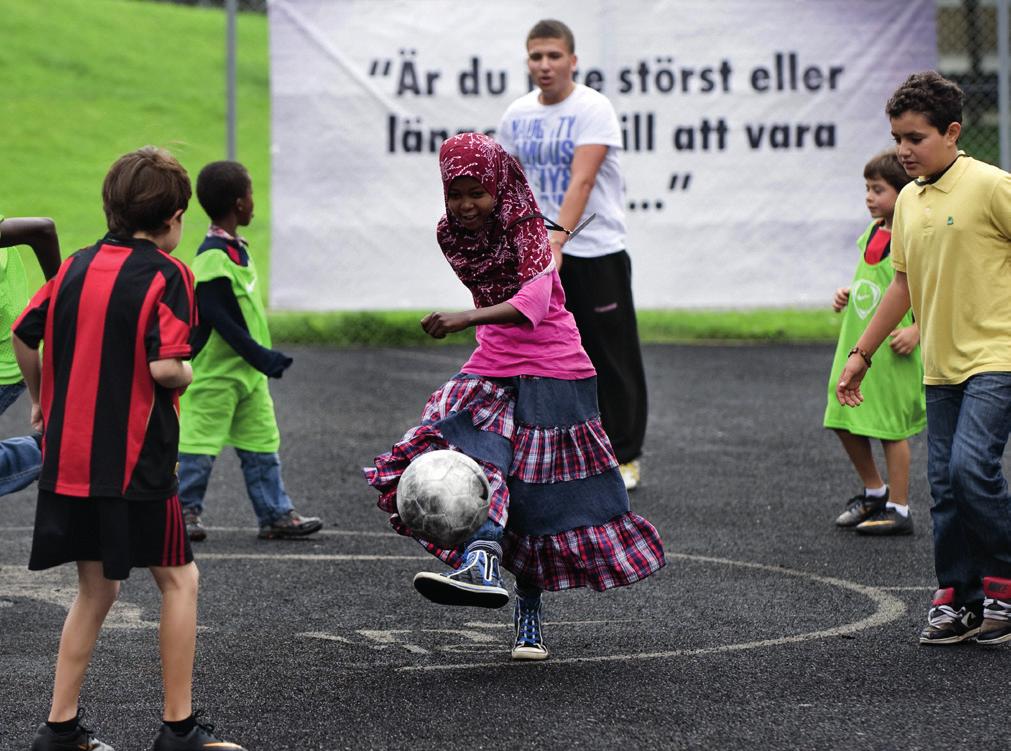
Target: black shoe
[
  {"x": 859, "y": 508},
  {"x": 199, "y": 738},
  {"x": 887, "y": 521},
  {"x": 948, "y": 623},
  {"x": 195, "y": 530},
  {"x": 78, "y": 739},
  {"x": 292, "y": 524}
]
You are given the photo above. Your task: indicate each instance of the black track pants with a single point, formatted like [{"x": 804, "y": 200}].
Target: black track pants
[{"x": 598, "y": 291}]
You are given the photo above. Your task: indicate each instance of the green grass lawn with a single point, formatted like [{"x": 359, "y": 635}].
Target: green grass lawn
[
  {"x": 85, "y": 81},
  {"x": 88, "y": 80}
]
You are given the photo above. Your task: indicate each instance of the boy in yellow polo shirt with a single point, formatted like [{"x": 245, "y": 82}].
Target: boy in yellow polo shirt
[{"x": 951, "y": 250}]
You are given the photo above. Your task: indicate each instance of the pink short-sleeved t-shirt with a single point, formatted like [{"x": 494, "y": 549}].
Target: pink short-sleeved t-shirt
[{"x": 547, "y": 344}]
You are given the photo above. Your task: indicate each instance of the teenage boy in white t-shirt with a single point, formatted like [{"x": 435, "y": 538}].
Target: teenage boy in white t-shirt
[{"x": 567, "y": 137}]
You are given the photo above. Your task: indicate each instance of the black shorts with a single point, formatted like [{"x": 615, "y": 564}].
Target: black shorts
[{"x": 122, "y": 534}]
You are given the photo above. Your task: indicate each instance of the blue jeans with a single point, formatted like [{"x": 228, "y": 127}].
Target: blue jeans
[
  {"x": 262, "y": 473},
  {"x": 20, "y": 458},
  {"x": 967, "y": 429}
]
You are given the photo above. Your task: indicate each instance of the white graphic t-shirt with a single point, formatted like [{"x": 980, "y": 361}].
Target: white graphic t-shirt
[{"x": 544, "y": 139}]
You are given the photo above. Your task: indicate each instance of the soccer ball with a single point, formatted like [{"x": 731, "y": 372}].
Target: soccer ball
[{"x": 444, "y": 497}]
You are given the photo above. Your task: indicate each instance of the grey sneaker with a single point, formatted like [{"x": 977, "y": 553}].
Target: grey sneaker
[
  {"x": 195, "y": 530},
  {"x": 477, "y": 583},
  {"x": 996, "y": 628},
  {"x": 529, "y": 644},
  {"x": 291, "y": 524},
  {"x": 859, "y": 508}
]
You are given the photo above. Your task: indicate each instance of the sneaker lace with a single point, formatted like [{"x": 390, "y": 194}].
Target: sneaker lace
[
  {"x": 995, "y": 609},
  {"x": 528, "y": 624},
  {"x": 943, "y": 615},
  {"x": 207, "y": 726}
]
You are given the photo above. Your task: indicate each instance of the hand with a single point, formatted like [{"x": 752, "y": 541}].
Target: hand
[
  {"x": 904, "y": 340},
  {"x": 437, "y": 325},
  {"x": 278, "y": 363},
  {"x": 841, "y": 297},
  {"x": 36, "y": 419},
  {"x": 847, "y": 391}
]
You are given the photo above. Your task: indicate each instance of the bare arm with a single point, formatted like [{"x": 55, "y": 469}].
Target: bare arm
[
  {"x": 437, "y": 325},
  {"x": 172, "y": 373},
  {"x": 39, "y": 234},
  {"x": 893, "y": 307},
  {"x": 31, "y": 370},
  {"x": 586, "y": 163}
]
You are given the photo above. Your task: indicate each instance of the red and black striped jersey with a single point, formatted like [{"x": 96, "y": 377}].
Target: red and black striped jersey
[{"x": 110, "y": 429}]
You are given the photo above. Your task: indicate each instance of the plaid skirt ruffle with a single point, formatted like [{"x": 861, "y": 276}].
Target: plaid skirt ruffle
[{"x": 554, "y": 456}]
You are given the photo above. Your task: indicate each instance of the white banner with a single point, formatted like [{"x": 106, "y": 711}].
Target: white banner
[{"x": 746, "y": 124}]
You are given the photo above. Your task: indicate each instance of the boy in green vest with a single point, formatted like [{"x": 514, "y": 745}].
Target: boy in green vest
[
  {"x": 895, "y": 410},
  {"x": 229, "y": 402}
]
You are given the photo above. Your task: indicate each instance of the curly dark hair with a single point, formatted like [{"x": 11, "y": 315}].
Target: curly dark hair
[
  {"x": 220, "y": 185},
  {"x": 930, "y": 94},
  {"x": 886, "y": 166}
]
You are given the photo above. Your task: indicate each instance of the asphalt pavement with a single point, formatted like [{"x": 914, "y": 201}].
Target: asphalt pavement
[{"x": 768, "y": 629}]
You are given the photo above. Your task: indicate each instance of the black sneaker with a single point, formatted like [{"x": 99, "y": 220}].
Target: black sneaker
[
  {"x": 948, "y": 623},
  {"x": 859, "y": 508},
  {"x": 292, "y": 524},
  {"x": 477, "y": 583},
  {"x": 887, "y": 521},
  {"x": 996, "y": 628},
  {"x": 79, "y": 739},
  {"x": 195, "y": 530},
  {"x": 199, "y": 738}
]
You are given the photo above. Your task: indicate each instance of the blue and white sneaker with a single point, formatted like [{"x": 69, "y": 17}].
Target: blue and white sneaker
[
  {"x": 529, "y": 639},
  {"x": 477, "y": 583}
]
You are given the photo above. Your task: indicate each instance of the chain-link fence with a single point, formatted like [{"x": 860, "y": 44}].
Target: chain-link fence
[{"x": 967, "y": 36}]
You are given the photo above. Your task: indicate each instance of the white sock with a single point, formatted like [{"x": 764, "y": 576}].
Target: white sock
[
  {"x": 876, "y": 492},
  {"x": 902, "y": 508}
]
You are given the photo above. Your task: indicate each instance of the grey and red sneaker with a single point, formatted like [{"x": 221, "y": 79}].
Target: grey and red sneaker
[
  {"x": 291, "y": 524},
  {"x": 996, "y": 628},
  {"x": 951, "y": 623}
]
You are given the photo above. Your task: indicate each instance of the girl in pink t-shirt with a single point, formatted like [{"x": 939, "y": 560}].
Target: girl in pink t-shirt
[{"x": 524, "y": 406}]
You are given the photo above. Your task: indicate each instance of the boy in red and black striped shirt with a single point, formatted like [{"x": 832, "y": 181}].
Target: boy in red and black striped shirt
[{"x": 116, "y": 323}]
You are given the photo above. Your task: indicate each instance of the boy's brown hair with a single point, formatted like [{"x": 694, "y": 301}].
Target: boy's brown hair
[
  {"x": 142, "y": 191},
  {"x": 549, "y": 28},
  {"x": 886, "y": 166},
  {"x": 932, "y": 95}
]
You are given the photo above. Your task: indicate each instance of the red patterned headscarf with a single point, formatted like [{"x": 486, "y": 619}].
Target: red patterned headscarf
[{"x": 512, "y": 246}]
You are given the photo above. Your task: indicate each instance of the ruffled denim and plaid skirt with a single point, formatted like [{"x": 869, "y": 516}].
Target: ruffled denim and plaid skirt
[{"x": 555, "y": 484}]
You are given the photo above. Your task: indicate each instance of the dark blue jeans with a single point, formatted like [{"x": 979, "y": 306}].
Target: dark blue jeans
[{"x": 967, "y": 429}]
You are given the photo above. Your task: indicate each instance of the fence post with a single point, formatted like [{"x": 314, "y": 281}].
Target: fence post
[{"x": 231, "y": 8}]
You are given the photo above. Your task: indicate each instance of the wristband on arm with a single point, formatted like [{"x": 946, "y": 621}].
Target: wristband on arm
[{"x": 862, "y": 353}]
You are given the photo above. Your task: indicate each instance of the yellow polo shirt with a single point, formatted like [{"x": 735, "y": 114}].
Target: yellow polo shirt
[{"x": 952, "y": 238}]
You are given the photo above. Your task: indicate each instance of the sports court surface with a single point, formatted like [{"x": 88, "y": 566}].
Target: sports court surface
[{"x": 768, "y": 629}]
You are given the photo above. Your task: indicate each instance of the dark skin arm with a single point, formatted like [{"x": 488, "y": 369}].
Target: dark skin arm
[
  {"x": 37, "y": 233},
  {"x": 437, "y": 324}
]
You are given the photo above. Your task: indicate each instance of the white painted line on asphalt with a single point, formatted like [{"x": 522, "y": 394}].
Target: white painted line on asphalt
[
  {"x": 254, "y": 530},
  {"x": 198, "y": 557},
  {"x": 887, "y": 609},
  {"x": 921, "y": 588}
]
